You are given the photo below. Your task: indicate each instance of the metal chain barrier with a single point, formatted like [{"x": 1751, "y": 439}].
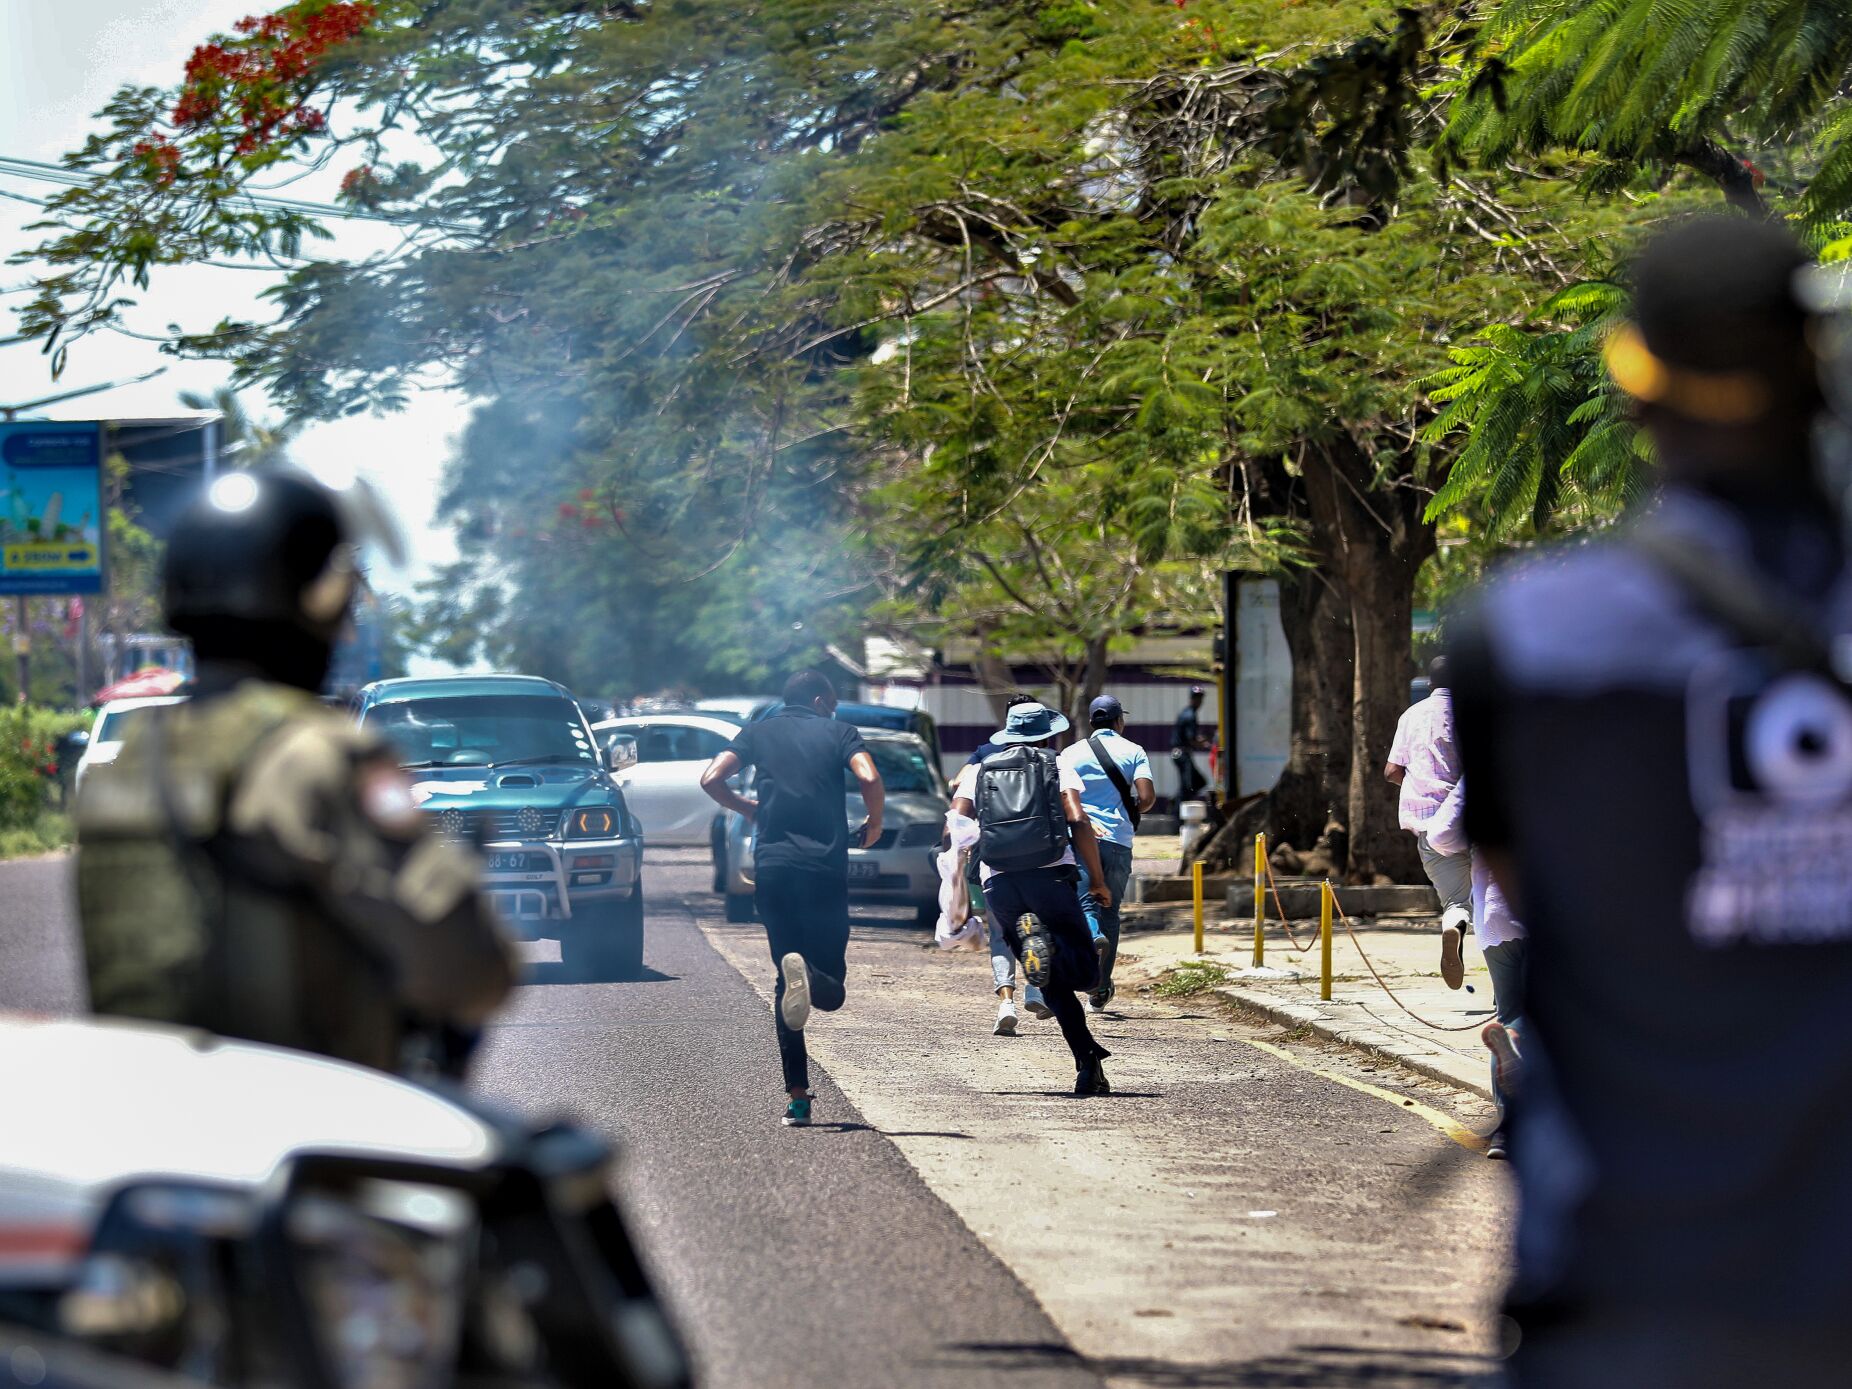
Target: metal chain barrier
[{"x": 1437, "y": 1026}]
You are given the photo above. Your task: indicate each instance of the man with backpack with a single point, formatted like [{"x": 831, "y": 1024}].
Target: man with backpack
[
  {"x": 1116, "y": 789},
  {"x": 1656, "y": 725},
  {"x": 1030, "y": 825}
]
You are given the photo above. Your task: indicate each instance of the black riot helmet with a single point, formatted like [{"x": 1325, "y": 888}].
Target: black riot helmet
[{"x": 262, "y": 569}]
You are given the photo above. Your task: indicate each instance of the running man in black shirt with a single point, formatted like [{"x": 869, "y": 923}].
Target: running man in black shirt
[{"x": 801, "y": 864}]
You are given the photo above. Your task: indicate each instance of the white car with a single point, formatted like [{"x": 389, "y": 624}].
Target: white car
[
  {"x": 259, "y": 1216},
  {"x": 112, "y": 726},
  {"x": 663, "y": 788}
]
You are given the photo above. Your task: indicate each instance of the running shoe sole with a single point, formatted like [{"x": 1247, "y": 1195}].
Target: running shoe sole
[
  {"x": 1040, "y": 1010},
  {"x": 1452, "y": 959},
  {"x": 1038, "y": 950},
  {"x": 1006, "y": 1025},
  {"x": 796, "y": 1005},
  {"x": 1505, "y": 1059},
  {"x": 793, "y": 1121}
]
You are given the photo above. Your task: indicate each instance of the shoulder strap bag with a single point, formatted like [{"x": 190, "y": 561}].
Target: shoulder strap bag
[{"x": 1116, "y": 777}]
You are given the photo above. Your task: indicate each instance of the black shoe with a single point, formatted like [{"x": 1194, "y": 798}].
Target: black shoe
[
  {"x": 1496, "y": 1146},
  {"x": 1091, "y": 1079},
  {"x": 1038, "y": 949}
]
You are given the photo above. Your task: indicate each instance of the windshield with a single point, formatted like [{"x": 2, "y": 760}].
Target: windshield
[
  {"x": 114, "y": 727},
  {"x": 905, "y": 769},
  {"x": 483, "y": 730}
]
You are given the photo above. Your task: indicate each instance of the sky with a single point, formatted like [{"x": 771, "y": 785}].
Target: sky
[{"x": 60, "y": 61}]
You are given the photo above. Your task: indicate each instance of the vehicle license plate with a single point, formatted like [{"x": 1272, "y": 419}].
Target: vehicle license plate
[
  {"x": 506, "y": 863},
  {"x": 861, "y": 868}
]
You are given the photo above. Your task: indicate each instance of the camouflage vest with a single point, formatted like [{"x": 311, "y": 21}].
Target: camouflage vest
[{"x": 185, "y": 922}]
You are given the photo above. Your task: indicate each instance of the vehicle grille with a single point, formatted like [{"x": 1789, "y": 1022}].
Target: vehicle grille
[
  {"x": 529, "y": 822},
  {"x": 920, "y": 836}
]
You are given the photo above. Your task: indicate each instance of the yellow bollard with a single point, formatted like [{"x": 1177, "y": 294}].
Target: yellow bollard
[
  {"x": 1260, "y": 898},
  {"x": 1324, "y": 940},
  {"x": 1196, "y": 899}
]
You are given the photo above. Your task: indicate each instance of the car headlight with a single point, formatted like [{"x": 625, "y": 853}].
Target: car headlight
[
  {"x": 593, "y": 822},
  {"x": 153, "y": 1286},
  {"x": 381, "y": 1267}
]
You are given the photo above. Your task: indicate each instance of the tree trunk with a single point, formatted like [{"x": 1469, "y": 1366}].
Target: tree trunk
[
  {"x": 1314, "y": 787},
  {"x": 1093, "y": 682},
  {"x": 1374, "y": 540}
]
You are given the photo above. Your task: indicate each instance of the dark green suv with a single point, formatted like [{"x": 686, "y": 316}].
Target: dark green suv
[{"x": 510, "y": 763}]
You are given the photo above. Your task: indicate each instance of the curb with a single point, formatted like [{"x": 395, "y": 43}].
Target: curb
[{"x": 1430, "y": 1062}]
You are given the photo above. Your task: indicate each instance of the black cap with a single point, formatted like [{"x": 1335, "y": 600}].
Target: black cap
[
  {"x": 1722, "y": 294},
  {"x": 261, "y": 549}
]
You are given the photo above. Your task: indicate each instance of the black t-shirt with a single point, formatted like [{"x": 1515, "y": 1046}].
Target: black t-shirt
[
  {"x": 1187, "y": 733},
  {"x": 802, "y": 787},
  {"x": 1684, "y": 867}
]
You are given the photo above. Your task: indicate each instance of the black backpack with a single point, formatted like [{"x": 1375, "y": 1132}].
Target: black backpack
[{"x": 1020, "y": 821}]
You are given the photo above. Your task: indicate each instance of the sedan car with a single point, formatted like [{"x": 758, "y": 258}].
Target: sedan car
[
  {"x": 900, "y": 869},
  {"x": 112, "y": 725},
  {"x": 509, "y": 762},
  {"x": 664, "y": 788}
]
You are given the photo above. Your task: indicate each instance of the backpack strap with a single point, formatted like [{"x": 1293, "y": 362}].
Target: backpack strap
[
  {"x": 1116, "y": 777},
  {"x": 1734, "y": 597}
]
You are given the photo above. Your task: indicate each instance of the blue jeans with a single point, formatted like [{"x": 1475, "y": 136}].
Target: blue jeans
[
  {"x": 1508, "y": 964},
  {"x": 1116, "y": 863}
]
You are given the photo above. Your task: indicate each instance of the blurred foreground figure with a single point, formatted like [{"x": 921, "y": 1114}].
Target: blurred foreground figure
[
  {"x": 1660, "y": 750},
  {"x": 254, "y": 864}
]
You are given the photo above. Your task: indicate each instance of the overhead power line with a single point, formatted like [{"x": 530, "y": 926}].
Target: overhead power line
[{"x": 38, "y": 171}]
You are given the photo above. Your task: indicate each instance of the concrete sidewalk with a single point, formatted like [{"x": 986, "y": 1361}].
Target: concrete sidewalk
[{"x": 1444, "y": 1046}]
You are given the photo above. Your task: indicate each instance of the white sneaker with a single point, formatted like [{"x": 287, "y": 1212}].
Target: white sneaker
[
  {"x": 796, "y": 1005},
  {"x": 1006, "y": 1020}
]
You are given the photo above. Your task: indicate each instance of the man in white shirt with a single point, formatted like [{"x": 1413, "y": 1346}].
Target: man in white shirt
[
  {"x": 1424, "y": 762},
  {"x": 1113, "y": 808},
  {"x": 1039, "y": 906}
]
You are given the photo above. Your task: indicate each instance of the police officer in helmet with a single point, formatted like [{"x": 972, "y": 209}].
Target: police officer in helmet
[{"x": 253, "y": 863}]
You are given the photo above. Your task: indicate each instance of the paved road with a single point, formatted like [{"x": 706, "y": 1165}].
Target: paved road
[{"x": 1235, "y": 1216}]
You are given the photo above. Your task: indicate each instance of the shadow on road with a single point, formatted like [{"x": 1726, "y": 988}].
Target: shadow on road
[
  {"x": 1314, "y": 1367},
  {"x": 556, "y": 972}
]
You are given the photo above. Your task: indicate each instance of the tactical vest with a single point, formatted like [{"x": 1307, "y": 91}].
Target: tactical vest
[{"x": 185, "y": 922}]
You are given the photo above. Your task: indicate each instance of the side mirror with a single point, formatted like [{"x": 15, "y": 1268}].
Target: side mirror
[{"x": 620, "y": 751}]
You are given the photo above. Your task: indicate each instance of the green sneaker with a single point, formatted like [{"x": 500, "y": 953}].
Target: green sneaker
[{"x": 797, "y": 1113}]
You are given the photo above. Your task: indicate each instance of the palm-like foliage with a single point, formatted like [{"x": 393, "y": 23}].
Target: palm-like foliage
[
  {"x": 1547, "y": 433},
  {"x": 244, "y": 440},
  {"x": 1665, "y": 82}
]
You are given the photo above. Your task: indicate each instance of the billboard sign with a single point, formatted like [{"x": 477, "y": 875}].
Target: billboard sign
[{"x": 51, "y": 507}]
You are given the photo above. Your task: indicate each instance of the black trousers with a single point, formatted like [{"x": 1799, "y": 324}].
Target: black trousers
[
  {"x": 806, "y": 912},
  {"x": 1189, "y": 780},
  {"x": 1053, "y": 895}
]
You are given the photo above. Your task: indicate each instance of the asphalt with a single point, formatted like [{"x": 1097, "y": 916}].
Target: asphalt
[{"x": 1241, "y": 1213}]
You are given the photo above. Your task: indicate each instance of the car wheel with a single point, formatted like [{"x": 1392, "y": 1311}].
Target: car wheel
[
  {"x": 926, "y": 918},
  {"x": 605, "y": 942},
  {"x": 740, "y": 906}
]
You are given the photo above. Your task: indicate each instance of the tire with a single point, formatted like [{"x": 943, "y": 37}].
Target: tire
[
  {"x": 926, "y": 917},
  {"x": 605, "y": 943},
  {"x": 740, "y": 906}
]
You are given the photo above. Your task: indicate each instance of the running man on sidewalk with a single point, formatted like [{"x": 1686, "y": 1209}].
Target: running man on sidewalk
[
  {"x": 1425, "y": 764},
  {"x": 1002, "y": 962},
  {"x": 1039, "y": 905},
  {"x": 1116, "y": 788},
  {"x": 801, "y": 863}
]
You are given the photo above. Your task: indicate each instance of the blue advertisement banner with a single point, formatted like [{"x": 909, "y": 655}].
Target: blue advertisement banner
[{"x": 51, "y": 507}]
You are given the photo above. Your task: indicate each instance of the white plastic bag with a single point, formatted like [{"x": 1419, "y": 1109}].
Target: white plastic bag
[{"x": 970, "y": 933}]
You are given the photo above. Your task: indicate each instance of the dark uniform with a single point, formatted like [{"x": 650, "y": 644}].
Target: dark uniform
[
  {"x": 1673, "y": 804},
  {"x": 253, "y": 863}
]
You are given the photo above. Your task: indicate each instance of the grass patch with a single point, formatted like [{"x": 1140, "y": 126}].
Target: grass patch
[
  {"x": 50, "y": 831},
  {"x": 1191, "y": 977}
]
